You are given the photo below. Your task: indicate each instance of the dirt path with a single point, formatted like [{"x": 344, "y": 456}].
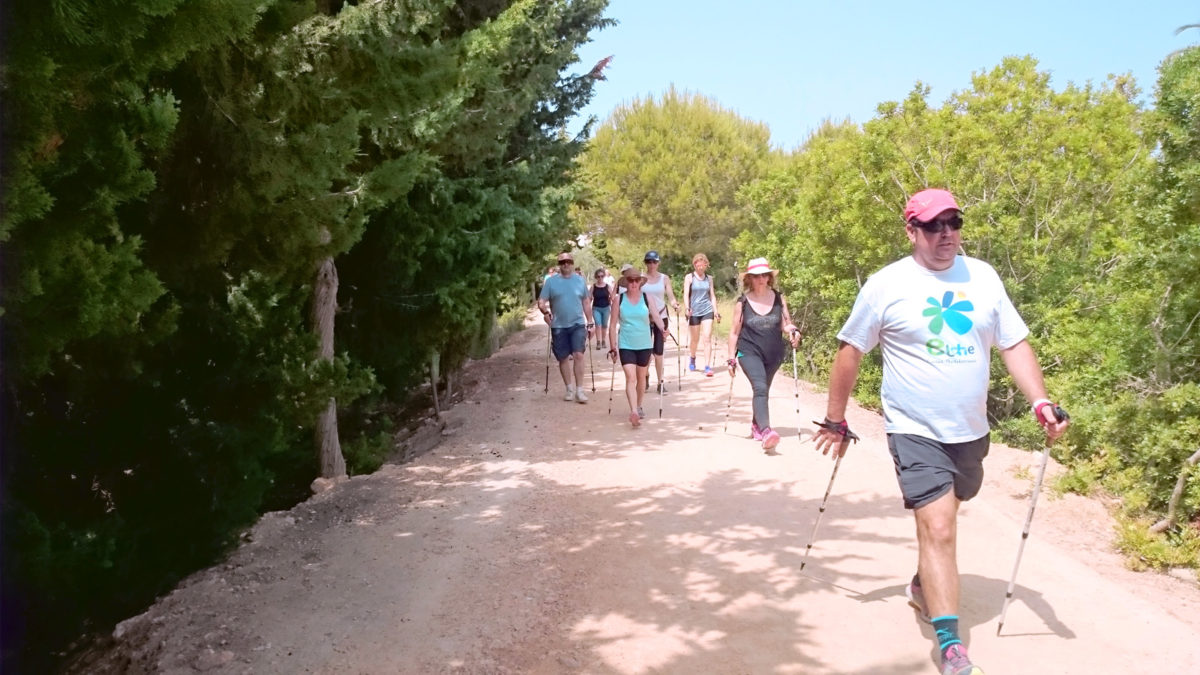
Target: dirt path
[{"x": 549, "y": 537}]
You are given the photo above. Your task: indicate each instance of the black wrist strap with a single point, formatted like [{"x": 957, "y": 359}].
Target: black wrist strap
[{"x": 840, "y": 428}]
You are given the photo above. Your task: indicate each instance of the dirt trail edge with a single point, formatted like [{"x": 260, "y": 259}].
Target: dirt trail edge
[{"x": 546, "y": 536}]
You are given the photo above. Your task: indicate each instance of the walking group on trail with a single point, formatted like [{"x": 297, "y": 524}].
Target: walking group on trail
[{"x": 935, "y": 316}]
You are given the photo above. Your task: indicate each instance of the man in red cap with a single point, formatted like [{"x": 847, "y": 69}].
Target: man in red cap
[{"x": 936, "y": 316}]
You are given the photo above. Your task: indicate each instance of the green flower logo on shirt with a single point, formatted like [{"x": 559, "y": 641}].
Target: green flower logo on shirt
[{"x": 949, "y": 313}]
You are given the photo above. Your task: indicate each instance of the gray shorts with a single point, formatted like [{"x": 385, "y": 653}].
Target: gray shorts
[{"x": 926, "y": 468}]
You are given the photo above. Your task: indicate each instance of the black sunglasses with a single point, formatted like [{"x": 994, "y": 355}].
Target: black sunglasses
[
  {"x": 938, "y": 226},
  {"x": 566, "y": 262}
]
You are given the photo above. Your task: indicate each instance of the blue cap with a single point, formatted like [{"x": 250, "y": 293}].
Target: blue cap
[{"x": 651, "y": 256}]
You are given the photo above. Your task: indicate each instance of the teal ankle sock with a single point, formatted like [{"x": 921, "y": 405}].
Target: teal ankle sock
[{"x": 946, "y": 628}]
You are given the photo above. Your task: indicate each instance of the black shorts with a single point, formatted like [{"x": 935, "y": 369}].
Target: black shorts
[
  {"x": 927, "y": 469},
  {"x": 635, "y": 357},
  {"x": 694, "y": 320},
  {"x": 659, "y": 338}
]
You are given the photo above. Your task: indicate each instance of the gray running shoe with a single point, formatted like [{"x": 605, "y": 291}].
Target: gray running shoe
[{"x": 956, "y": 662}]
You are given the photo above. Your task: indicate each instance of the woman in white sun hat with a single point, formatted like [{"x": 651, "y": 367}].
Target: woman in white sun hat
[{"x": 761, "y": 323}]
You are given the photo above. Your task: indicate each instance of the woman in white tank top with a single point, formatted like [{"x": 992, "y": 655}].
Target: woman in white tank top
[{"x": 658, "y": 286}]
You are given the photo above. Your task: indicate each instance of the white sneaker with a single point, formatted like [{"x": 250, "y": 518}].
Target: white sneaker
[
  {"x": 580, "y": 396},
  {"x": 570, "y": 395}
]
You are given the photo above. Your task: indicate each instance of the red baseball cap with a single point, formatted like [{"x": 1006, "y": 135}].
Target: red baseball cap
[{"x": 927, "y": 204}]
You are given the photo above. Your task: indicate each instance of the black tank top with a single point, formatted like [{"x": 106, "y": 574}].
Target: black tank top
[
  {"x": 762, "y": 333},
  {"x": 600, "y": 296}
]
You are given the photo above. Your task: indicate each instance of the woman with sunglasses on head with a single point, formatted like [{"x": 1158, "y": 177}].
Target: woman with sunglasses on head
[
  {"x": 761, "y": 322},
  {"x": 700, "y": 306},
  {"x": 658, "y": 286},
  {"x": 601, "y": 301},
  {"x": 633, "y": 314}
]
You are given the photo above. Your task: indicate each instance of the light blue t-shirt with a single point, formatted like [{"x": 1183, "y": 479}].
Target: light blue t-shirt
[{"x": 566, "y": 296}]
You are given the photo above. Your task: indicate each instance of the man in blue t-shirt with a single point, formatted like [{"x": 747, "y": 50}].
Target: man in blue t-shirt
[
  {"x": 935, "y": 315},
  {"x": 565, "y": 302}
]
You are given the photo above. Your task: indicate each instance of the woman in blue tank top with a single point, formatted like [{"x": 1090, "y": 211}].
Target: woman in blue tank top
[
  {"x": 629, "y": 337},
  {"x": 700, "y": 303}
]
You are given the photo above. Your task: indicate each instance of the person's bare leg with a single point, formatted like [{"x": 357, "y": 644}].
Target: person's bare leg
[
  {"x": 693, "y": 336},
  {"x": 706, "y": 339},
  {"x": 578, "y": 358},
  {"x": 564, "y": 367},
  {"x": 642, "y": 374},
  {"x": 937, "y": 563},
  {"x": 658, "y": 366},
  {"x": 633, "y": 392}
]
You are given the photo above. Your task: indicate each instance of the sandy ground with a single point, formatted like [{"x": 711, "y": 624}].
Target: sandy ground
[{"x": 544, "y": 536}]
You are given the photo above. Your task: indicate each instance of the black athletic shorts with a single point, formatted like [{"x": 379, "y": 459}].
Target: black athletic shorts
[
  {"x": 659, "y": 338},
  {"x": 927, "y": 469},
  {"x": 694, "y": 320},
  {"x": 636, "y": 357}
]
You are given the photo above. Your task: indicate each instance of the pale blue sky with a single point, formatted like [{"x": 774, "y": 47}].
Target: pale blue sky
[{"x": 793, "y": 64}]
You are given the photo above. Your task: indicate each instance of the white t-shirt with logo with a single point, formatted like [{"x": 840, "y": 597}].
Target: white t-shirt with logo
[{"x": 936, "y": 330}]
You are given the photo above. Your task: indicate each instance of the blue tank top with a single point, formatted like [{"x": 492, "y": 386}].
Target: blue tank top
[
  {"x": 699, "y": 296},
  {"x": 635, "y": 324}
]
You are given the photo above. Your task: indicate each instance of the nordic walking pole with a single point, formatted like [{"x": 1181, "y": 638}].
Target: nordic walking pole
[
  {"x": 796, "y": 391},
  {"x": 847, "y": 437},
  {"x": 592, "y": 363},
  {"x": 813, "y": 537},
  {"x": 547, "y": 389},
  {"x": 729, "y": 404},
  {"x": 711, "y": 330},
  {"x": 678, "y": 365},
  {"x": 678, "y": 354},
  {"x": 1060, "y": 415},
  {"x": 613, "y": 384},
  {"x": 660, "y": 392}
]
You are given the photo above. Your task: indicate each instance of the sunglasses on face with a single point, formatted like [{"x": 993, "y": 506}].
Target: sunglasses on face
[
  {"x": 650, "y": 262},
  {"x": 566, "y": 262},
  {"x": 939, "y": 225}
]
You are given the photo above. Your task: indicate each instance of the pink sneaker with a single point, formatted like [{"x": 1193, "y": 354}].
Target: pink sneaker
[
  {"x": 635, "y": 420},
  {"x": 956, "y": 662},
  {"x": 755, "y": 432},
  {"x": 770, "y": 439}
]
